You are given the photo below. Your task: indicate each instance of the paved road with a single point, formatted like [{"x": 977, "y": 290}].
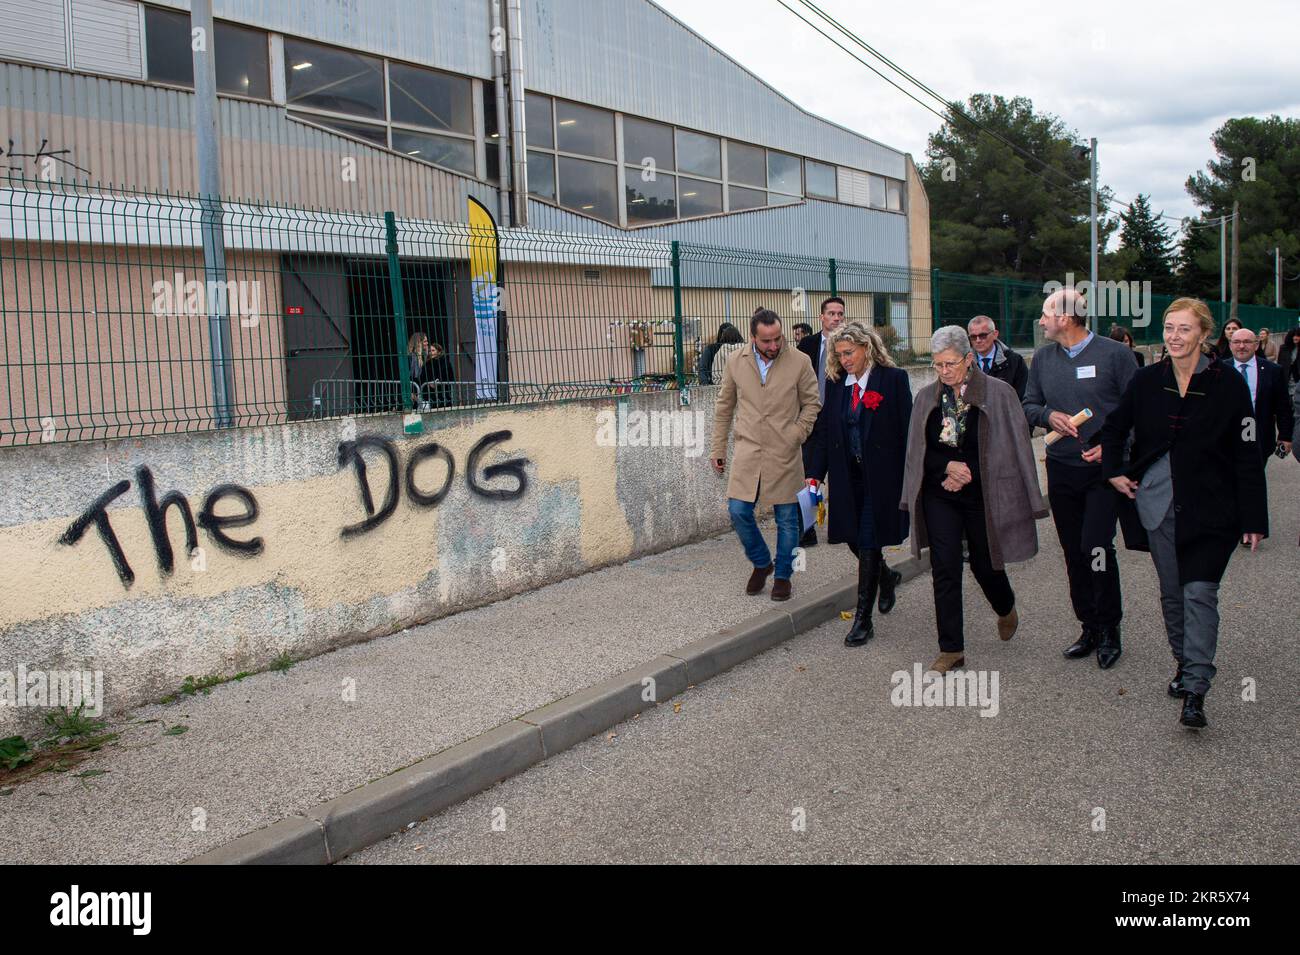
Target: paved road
[{"x": 808, "y": 732}]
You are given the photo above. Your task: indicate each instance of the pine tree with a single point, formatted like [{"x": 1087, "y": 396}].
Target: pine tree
[{"x": 1145, "y": 235}]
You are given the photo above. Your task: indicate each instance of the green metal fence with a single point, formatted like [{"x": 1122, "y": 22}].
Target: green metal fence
[{"x": 116, "y": 325}]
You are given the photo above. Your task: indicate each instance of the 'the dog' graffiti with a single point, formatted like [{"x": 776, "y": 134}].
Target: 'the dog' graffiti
[{"x": 217, "y": 524}]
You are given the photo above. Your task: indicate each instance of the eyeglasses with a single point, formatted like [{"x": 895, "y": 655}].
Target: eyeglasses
[
  {"x": 980, "y": 336},
  {"x": 947, "y": 365}
]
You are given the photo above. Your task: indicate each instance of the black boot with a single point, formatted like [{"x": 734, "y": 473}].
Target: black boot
[
  {"x": 1086, "y": 643},
  {"x": 889, "y": 581},
  {"x": 1109, "y": 650},
  {"x": 1194, "y": 712},
  {"x": 868, "y": 582},
  {"x": 809, "y": 538}
]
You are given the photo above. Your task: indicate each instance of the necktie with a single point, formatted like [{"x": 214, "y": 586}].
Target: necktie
[
  {"x": 857, "y": 394},
  {"x": 987, "y": 362},
  {"x": 1242, "y": 368}
]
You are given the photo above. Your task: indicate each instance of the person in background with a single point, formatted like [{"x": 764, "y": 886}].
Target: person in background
[
  {"x": 1223, "y": 347},
  {"x": 1267, "y": 347},
  {"x": 859, "y": 441},
  {"x": 770, "y": 393},
  {"x": 994, "y": 358},
  {"x": 729, "y": 342},
  {"x": 800, "y": 330},
  {"x": 1121, "y": 334},
  {"x": 441, "y": 370},
  {"x": 1274, "y": 424},
  {"x": 1198, "y": 482},
  {"x": 1076, "y": 370},
  {"x": 970, "y": 473},
  {"x": 817, "y": 349},
  {"x": 1288, "y": 356},
  {"x": 705, "y": 367}
]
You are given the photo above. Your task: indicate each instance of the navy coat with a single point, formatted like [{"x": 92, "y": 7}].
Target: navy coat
[{"x": 884, "y": 445}]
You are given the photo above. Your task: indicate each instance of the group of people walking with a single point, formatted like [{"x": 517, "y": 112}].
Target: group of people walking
[{"x": 1173, "y": 452}]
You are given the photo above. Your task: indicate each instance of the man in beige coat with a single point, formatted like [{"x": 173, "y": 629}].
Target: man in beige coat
[{"x": 771, "y": 394}]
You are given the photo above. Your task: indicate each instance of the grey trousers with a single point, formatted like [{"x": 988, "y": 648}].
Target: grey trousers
[{"x": 1191, "y": 612}]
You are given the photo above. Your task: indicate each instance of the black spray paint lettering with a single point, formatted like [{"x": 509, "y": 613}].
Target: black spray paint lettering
[
  {"x": 155, "y": 513},
  {"x": 350, "y": 452}
]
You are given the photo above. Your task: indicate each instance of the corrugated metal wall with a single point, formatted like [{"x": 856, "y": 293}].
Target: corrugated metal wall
[
  {"x": 140, "y": 137},
  {"x": 822, "y": 229}
]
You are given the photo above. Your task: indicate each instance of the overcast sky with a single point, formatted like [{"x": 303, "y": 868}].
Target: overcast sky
[{"x": 1152, "y": 80}]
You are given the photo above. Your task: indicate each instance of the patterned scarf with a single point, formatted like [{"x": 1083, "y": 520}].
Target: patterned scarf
[{"x": 953, "y": 409}]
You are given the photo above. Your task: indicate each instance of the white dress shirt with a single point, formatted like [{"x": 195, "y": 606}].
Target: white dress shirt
[{"x": 1250, "y": 372}]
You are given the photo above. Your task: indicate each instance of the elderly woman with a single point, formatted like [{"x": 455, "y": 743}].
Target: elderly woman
[
  {"x": 970, "y": 472},
  {"x": 858, "y": 444},
  {"x": 1198, "y": 478}
]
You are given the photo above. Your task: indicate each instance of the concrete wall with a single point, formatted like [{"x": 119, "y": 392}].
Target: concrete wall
[{"x": 306, "y": 586}]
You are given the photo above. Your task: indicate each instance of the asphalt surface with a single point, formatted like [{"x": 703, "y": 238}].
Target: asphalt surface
[{"x": 800, "y": 755}]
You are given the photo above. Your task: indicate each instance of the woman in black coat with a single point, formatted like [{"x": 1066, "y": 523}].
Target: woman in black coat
[
  {"x": 1197, "y": 476},
  {"x": 1288, "y": 356},
  {"x": 859, "y": 443}
]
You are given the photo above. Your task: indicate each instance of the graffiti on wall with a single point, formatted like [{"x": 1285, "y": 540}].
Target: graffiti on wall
[
  {"x": 396, "y": 478},
  {"x": 44, "y": 160}
]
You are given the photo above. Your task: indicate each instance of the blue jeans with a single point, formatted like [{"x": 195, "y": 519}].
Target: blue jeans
[{"x": 787, "y": 535}]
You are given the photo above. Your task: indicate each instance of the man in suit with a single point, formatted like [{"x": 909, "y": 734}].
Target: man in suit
[
  {"x": 771, "y": 395},
  {"x": 815, "y": 347},
  {"x": 1274, "y": 417},
  {"x": 994, "y": 358}
]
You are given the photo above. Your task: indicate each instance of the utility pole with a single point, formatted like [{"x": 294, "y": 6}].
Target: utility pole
[
  {"x": 1277, "y": 277},
  {"x": 208, "y": 152},
  {"x": 1223, "y": 258},
  {"x": 1235, "y": 248},
  {"x": 1092, "y": 212}
]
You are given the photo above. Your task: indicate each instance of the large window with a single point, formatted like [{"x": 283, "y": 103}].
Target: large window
[
  {"x": 241, "y": 54},
  {"x": 651, "y": 190},
  {"x": 428, "y": 115},
  {"x": 820, "y": 179},
  {"x": 577, "y": 166}
]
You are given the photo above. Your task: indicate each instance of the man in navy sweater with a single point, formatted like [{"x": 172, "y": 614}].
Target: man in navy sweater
[{"x": 1076, "y": 370}]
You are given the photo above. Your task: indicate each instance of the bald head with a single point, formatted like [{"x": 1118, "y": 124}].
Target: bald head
[
  {"x": 1243, "y": 344},
  {"x": 1067, "y": 303}
]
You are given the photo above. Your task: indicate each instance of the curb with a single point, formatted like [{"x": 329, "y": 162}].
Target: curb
[{"x": 374, "y": 811}]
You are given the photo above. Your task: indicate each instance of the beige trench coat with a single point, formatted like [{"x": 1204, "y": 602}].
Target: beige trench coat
[{"x": 772, "y": 421}]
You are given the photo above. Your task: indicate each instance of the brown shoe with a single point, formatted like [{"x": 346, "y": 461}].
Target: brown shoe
[
  {"x": 758, "y": 579},
  {"x": 1007, "y": 625},
  {"x": 780, "y": 589},
  {"x": 947, "y": 661}
]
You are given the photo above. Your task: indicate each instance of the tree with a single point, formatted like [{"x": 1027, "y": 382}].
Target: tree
[
  {"x": 1148, "y": 244},
  {"x": 1256, "y": 164},
  {"x": 993, "y": 211}
]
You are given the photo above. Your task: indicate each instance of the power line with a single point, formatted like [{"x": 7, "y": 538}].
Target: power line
[{"x": 950, "y": 106}]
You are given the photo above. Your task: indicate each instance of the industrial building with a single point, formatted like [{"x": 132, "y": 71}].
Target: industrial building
[{"x": 596, "y": 133}]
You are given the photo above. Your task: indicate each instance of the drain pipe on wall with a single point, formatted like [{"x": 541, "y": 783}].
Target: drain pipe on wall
[
  {"x": 504, "y": 138},
  {"x": 518, "y": 132}
]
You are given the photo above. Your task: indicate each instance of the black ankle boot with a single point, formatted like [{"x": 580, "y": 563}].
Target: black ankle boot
[
  {"x": 1109, "y": 649},
  {"x": 889, "y": 581},
  {"x": 1084, "y": 646},
  {"x": 1194, "y": 712},
  {"x": 868, "y": 582}
]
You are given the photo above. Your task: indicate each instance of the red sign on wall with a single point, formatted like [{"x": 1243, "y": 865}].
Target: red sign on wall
[{"x": 294, "y": 310}]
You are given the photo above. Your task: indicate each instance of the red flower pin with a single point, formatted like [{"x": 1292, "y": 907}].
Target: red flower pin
[{"x": 872, "y": 400}]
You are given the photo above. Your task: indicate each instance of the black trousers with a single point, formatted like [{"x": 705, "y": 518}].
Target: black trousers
[
  {"x": 1084, "y": 509},
  {"x": 947, "y": 518}
]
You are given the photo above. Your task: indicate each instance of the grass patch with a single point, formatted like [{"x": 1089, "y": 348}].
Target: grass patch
[
  {"x": 282, "y": 663},
  {"x": 71, "y": 738}
]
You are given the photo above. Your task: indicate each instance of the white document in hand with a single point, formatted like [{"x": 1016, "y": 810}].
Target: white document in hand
[{"x": 807, "y": 508}]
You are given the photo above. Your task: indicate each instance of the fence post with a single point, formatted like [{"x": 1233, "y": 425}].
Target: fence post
[
  {"x": 835, "y": 288},
  {"x": 679, "y": 351},
  {"x": 936, "y": 320},
  {"x": 399, "y": 309}
]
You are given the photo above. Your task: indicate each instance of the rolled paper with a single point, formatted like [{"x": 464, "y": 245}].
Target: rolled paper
[{"x": 1080, "y": 418}]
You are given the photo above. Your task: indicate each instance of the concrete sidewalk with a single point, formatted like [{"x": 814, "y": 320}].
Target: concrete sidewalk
[{"x": 276, "y": 745}]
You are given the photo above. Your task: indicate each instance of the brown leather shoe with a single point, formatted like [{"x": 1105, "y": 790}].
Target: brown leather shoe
[
  {"x": 947, "y": 661},
  {"x": 1007, "y": 625},
  {"x": 758, "y": 579},
  {"x": 780, "y": 589}
]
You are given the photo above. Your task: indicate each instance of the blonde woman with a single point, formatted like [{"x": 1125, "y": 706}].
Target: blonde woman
[
  {"x": 858, "y": 443},
  {"x": 1197, "y": 476}
]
